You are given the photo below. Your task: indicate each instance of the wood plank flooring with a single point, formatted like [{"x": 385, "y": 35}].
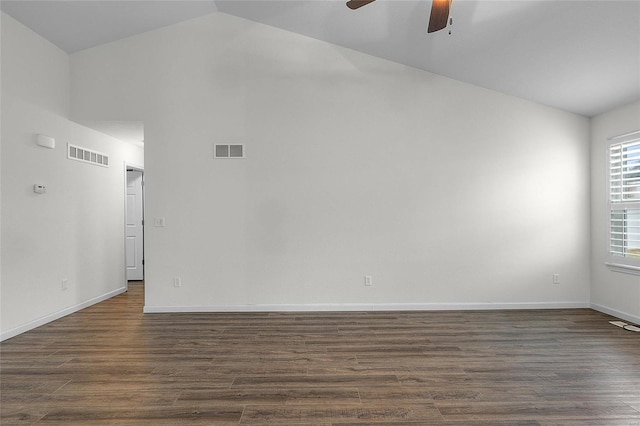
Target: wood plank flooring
[{"x": 112, "y": 365}]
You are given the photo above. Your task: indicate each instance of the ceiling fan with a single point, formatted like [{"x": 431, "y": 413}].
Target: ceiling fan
[{"x": 439, "y": 12}]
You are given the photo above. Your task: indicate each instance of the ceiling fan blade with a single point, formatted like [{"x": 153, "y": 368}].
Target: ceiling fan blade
[
  {"x": 354, "y": 4},
  {"x": 439, "y": 15}
]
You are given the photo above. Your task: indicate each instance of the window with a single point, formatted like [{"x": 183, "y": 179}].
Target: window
[{"x": 624, "y": 200}]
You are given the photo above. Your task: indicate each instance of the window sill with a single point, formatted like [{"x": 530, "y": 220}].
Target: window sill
[{"x": 625, "y": 269}]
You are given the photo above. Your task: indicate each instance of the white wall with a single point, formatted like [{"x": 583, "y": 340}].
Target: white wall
[
  {"x": 76, "y": 230},
  {"x": 613, "y": 292},
  {"x": 449, "y": 195}
]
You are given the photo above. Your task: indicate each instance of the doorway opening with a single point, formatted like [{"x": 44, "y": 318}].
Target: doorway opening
[{"x": 134, "y": 224}]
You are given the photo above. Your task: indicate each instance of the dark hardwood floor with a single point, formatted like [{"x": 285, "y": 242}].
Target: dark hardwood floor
[{"x": 110, "y": 364}]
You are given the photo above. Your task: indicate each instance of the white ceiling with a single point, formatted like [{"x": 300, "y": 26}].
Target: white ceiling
[{"x": 579, "y": 56}]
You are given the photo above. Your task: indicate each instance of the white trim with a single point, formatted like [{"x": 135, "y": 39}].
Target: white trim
[
  {"x": 57, "y": 315},
  {"x": 625, "y": 269},
  {"x": 133, "y": 166},
  {"x": 616, "y": 313},
  {"x": 359, "y": 307},
  {"x": 633, "y": 134}
]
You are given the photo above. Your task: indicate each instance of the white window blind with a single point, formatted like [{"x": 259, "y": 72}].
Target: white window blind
[{"x": 624, "y": 197}]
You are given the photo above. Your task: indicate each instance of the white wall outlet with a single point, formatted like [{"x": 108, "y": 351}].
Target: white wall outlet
[
  {"x": 368, "y": 280},
  {"x": 556, "y": 278},
  {"x": 65, "y": 284},
  {"x": 177, "y": 282}
]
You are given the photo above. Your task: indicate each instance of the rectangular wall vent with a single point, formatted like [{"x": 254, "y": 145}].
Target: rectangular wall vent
[
  {"x": 229, "y": 151},
  {"x": 87, "y": 156}
]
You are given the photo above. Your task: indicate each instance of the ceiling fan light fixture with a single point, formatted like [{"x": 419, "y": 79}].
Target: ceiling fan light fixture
[
  {"x": 439, "y": 15},
  {"x": 355, "y": 4}
]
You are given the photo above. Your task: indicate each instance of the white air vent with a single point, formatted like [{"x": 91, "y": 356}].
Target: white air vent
[
  {"x": 87, "y": 156},
  {"x": 228, "y": 151}
]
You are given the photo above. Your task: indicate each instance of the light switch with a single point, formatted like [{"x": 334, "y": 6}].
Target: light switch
[{"x": 158, "y": 221}]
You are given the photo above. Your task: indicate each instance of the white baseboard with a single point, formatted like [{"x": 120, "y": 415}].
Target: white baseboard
[
  {"x": 618, "y": 314},
  {"x": 359, "y": 307},
  {"x": 57, "y": 315},
  {"x": 340, "y": 307}
]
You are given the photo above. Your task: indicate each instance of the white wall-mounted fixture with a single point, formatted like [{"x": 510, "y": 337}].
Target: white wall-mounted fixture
[
  {"x": 46, "y": 141},
  {"x": 88, "y": 156},
  {"x": 229, "y": 151},
  {"x": 39, "y": 189}
]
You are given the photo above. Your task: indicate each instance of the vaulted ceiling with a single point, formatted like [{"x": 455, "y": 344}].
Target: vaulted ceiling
[{"x": 579, "y": 56}]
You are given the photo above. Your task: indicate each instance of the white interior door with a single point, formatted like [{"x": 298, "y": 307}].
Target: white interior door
[{"x": 135, "y": 228}]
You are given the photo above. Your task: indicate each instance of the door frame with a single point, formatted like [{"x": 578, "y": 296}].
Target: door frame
[{"x": 134, "y": 167}]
